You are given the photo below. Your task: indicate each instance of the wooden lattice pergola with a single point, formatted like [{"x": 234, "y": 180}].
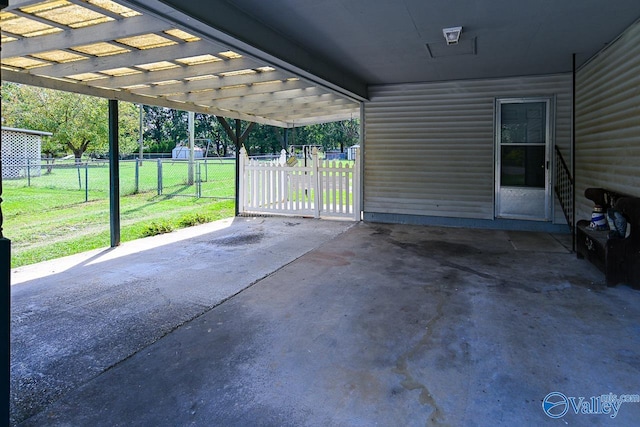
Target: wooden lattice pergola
[{"x": 107, "y": 49}]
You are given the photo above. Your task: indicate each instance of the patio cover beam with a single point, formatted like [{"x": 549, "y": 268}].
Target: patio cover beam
[
  {"x": 301, "y": 104},
  {"x": 129, "y": 97},
  {"x": 320, "y": 119},
  {"x": 213, "y": 82},
  {"x": 242, "y": 92},
  {"x": 283, "y": 95}
]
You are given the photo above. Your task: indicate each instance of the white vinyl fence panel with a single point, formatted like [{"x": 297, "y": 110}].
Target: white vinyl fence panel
[{"x": 321, "y": 189}]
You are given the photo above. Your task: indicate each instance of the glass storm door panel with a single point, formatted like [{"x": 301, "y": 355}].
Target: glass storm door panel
[{"x": 522, "y": 158}]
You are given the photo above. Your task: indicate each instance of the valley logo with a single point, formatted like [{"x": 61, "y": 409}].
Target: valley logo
[{"x": 557, "y": 405}]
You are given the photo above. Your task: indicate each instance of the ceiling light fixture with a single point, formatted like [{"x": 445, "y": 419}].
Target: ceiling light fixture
[{"x": 452, "y": 35}]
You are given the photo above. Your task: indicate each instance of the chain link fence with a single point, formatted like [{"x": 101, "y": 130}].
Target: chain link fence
[{"x": 212, "y": 177}]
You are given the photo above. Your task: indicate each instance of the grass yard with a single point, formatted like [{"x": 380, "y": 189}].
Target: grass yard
[
  {"x": 46, "y": 223},
  {"x": 216, "y": 176},
  {"x": 65, "y": 210}
]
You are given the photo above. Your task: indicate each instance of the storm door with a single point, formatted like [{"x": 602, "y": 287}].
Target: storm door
[{"x": 523, "y": 138}]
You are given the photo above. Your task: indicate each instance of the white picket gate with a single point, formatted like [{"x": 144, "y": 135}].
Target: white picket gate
[{"x": 321, "y": 189}]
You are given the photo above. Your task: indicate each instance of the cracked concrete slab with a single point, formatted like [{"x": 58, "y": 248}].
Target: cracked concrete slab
[{"x": 384, "y": 325}]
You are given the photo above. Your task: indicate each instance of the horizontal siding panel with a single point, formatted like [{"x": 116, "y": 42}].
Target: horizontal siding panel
[
  {"x": 613, "y": 59},
  {"x": 424, "y": 121},
  {"x": 608, "y": 120},
  {"x": 601, "y": 80},
  {"x": 442, "y": 195},
  {"x": 607, "y": 105},
  {"x": 429, "y": 148},
  {"x": 392, "y": 147},
  {"x": 440, "y": 150},
  {"x": 443, "y": 186},
  {"x": 596, "y": 131},
  {"x": 604, "y": 97},
  {"x": 434, "y": 208}
]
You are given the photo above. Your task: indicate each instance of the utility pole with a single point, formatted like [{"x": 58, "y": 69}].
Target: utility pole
[{"x": 141, "y": 136}]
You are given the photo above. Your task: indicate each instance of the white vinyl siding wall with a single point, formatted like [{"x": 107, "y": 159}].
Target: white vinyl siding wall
[
  {"x": 429, "y": 148},
  {"x": 608, "y": 121}
]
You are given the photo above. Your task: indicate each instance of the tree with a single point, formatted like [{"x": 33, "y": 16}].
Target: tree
[
  {"x": 208, "y": 127},
  {"x": 164, "y": 128},
  {"x": 263, "y": 139},
  {"x": 331, "y": 136},
  {"x": 79, "y": 123}
]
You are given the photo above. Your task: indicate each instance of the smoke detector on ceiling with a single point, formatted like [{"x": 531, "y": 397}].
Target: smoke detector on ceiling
[{"x": 452, "y": 35}]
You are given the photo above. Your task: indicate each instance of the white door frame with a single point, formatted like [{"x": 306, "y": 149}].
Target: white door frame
[{"x": 525, "y": 214}]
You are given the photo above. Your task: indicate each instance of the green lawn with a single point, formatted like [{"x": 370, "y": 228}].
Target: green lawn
[
  {"x": 45, "y": 223},
  {"x": 48, "y": 216},
  {"x": 216, "y": 177}
]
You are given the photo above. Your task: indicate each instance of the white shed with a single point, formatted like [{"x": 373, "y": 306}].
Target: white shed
[
  {"x": 182, "y": 152},
  {"x": 351, "y": 152},
  {"x": 21, "y": 152}
]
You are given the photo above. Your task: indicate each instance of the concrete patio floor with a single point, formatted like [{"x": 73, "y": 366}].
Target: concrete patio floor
[{"x": 290, "y": 322}]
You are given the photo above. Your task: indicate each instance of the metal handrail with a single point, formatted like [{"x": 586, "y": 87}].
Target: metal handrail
[{"x": 564, "y": 188}]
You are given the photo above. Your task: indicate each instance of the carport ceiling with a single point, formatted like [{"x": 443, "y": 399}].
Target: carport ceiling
[
  {"x": 384, "y": 41},
  {"x": 131, "y": 53}
]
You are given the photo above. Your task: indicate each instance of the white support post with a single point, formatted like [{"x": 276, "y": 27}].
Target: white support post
[
  {"x": 242, "y": 187},
  {"x": 283, "y": 195},
  {"x": 316, "y": 179},
  {"x": 357, "y": 208}
]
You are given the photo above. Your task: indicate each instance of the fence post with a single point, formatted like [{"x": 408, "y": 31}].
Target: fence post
[
  {"x": 136, "y": 190},
  {"x": 198, "y": 180},
  {"x": 242, "y": 187},
  {"x": 159, "y": 177},
  {"x": 28, "y": 172},
  {"x": 283, "y": 177},
  {"x": 86, "y": 182},
  {"x": 316, "y": 191}
]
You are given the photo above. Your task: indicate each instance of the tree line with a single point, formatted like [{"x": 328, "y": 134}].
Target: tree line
[{"x": 80, "y": 127}]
